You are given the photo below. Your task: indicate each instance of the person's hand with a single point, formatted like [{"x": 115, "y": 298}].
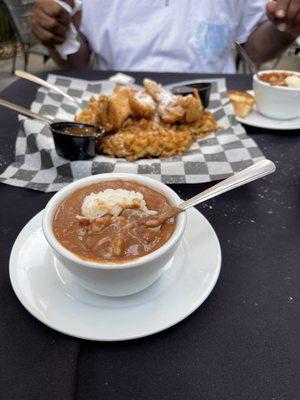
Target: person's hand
[
  {"x": 285, "y": 14},
  {"x": 49, "y": 22}
]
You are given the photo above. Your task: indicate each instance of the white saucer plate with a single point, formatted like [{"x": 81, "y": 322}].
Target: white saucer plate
[
  {"x": 254, "y": 118},
  {"x": 51, "y": 295}
]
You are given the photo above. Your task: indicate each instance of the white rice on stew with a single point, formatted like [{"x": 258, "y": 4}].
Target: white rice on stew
[
  {"x": 112, "y": 201},
  {"x": 293, "y": 81}
]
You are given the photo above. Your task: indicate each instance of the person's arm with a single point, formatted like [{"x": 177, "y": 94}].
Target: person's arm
[
  {"x": 274, "y": 36},
  {"x": 49, "y": 23},
  {"x": 267, "y": 42}
]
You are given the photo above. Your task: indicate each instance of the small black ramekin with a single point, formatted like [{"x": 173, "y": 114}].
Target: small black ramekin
[
  {"x": 202, "y": 87},
  {"x": 75, "y": 147}
]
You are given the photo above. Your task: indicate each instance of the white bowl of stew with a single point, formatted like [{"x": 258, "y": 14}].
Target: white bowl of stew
[
  {"x": 102, "y": 271},
  {"x": 273, "y": 97}
]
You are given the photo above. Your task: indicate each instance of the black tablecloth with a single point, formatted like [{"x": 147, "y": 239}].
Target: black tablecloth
[{"x": 240, "y": 344}]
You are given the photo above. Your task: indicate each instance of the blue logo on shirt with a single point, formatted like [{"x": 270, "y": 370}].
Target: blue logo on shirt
[{"x": 212, "y": 40}]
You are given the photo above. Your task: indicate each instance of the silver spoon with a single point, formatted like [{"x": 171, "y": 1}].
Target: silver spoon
[
  {"x": 256, "y": 171},
  {"x": 47, "y": 85},
  {"x": 25, "y": 111},
  {"x": 68, "y": 144},
  {"x": 252, "y": 66}
]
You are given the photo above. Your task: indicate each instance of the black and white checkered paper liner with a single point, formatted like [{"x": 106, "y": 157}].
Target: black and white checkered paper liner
[{"x": 37, "y": 165}]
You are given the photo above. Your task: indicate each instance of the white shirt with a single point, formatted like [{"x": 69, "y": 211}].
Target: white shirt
[{"x": 169, "y": 35}]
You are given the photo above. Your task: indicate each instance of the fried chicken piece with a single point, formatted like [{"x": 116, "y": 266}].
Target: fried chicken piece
[
  {"x": 152, "y": 88},
  {"x": 108, "y": 111},
  {"x": 142, "y": 105},
  {"x": 173, "y": 108},
  {"x": 119, "y": 109},
  {"x": 146, "y": 138},
  {"x": 96, "y": 113},
  {"x": 193, "y": 108},
  {"x": 154, "y": 123},
  {"x": 205, "y": 125},
  {"x": 171, "y": 111},
  {"x": 88, "y": 116},
  {"x": 102, "y": 111},
  {"x": 169, "y": 107}
]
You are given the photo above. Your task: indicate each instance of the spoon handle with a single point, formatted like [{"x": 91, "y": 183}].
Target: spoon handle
[
  {"x": 252, "y": 66},
  {"x": 47, "y": 85},
  {"x": 247, "y": 175},
  {"x": 24, "y": 111}
]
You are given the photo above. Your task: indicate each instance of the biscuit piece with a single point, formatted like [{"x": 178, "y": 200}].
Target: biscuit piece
[{"x": 242, "y": 102}]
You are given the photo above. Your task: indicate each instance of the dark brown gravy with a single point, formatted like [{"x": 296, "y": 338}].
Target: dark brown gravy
[
  {"x": 111, "y": 239},
  {"x": 79, "y": 130}
]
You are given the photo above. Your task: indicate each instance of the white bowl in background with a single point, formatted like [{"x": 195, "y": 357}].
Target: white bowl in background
[
  {"x": 276, "y": 102},
  {"x": 114, "y": 279}
]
